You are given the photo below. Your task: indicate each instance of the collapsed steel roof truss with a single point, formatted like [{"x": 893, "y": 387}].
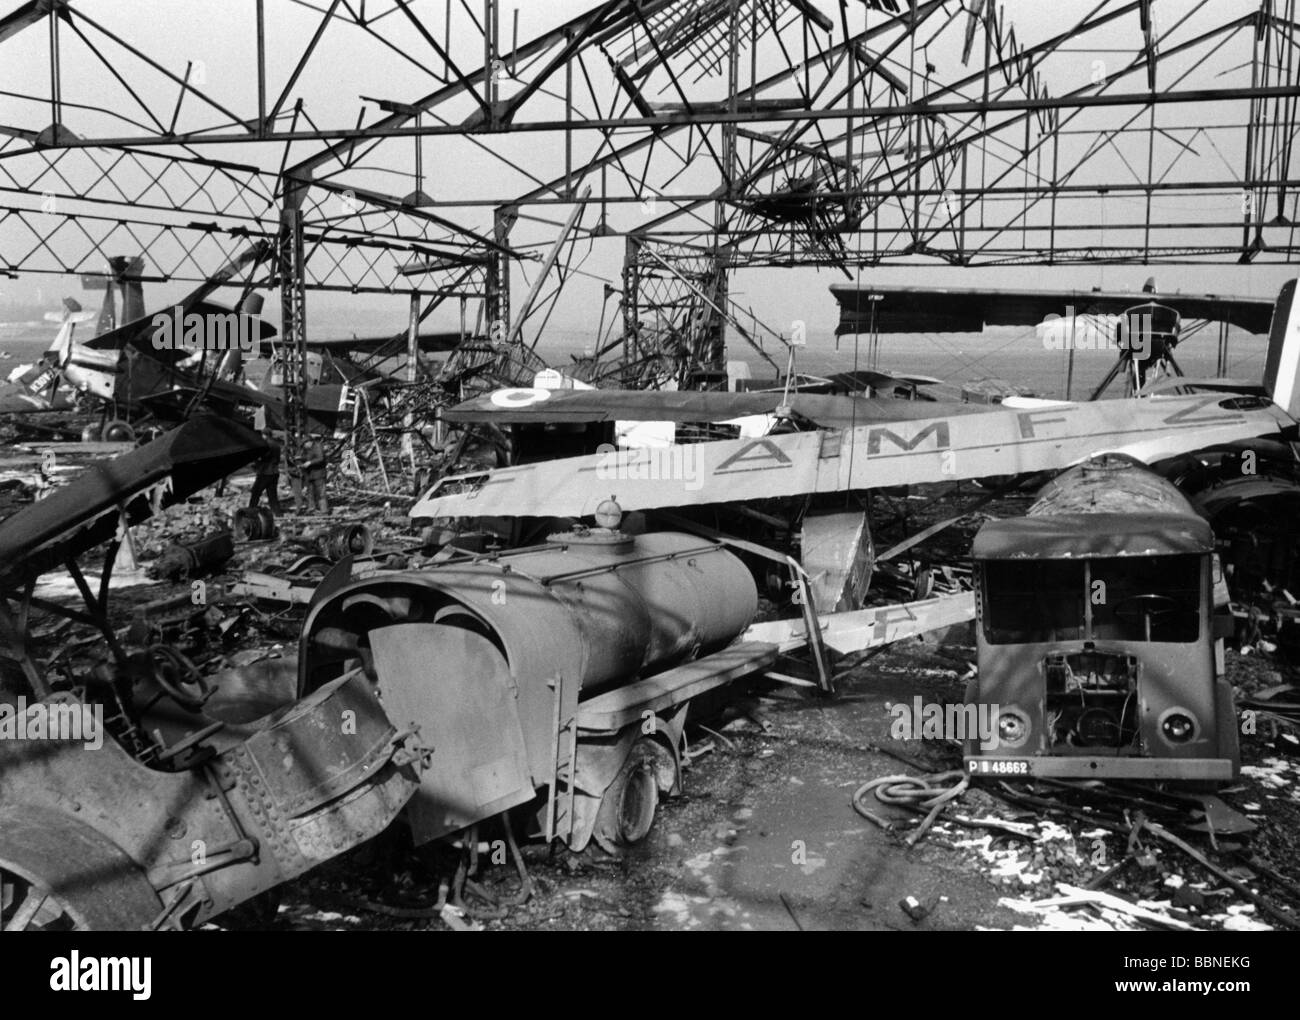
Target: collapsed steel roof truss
[{"x": 738, "y": 133}]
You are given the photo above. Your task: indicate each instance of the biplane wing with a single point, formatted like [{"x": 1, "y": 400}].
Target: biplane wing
[
  {"x": 139, "y": 334},
  {"x": 881, "y": 308},
  {"x": 168, "y": 393},
  {"x": 865, "y": 378},
  {"x": 899, "y": 452},
  {"x": 395, "y": 343},
  {"x": 529, "y": 405}
]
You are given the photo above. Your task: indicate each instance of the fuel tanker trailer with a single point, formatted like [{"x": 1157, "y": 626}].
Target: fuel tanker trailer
[{"x": 557, "y": 675}]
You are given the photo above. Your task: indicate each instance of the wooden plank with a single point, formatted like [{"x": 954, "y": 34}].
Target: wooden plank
[
  {"x": 861, "y": 629},
  {"x": 610, "y": 711}
]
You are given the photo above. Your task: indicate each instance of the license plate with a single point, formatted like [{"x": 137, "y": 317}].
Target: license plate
[{"x": 997, "y": 766}]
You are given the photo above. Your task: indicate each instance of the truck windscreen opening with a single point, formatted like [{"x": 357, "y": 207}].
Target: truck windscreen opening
[{"x": 1130, "y": 598}]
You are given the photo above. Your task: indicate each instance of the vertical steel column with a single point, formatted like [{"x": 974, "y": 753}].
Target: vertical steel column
[
  {"x": 261, "y": 69},
  {"x": 733, "y": 96},
  {"x": 291, "y": 269},
  {"x": 631, "y": 309},
  {"x": 412, "y": 351},
  {"x": 56, "y": 74},
  {"x": 490, "y": 12},
  {"x": 1254, "y": 113},
  {"x": 496, "y": 294},
  {"x": 714, "y": 347},
  {"x": 1056, "y": 190},
  {"x": 715, "y": 351},
  {"x": 568, "y": 127}
]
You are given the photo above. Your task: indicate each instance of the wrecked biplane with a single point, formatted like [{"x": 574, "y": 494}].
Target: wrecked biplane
[
  {"x": 902, "y": 451},
  {"x": 1145, "y": 328},
  {"x": 122, "y": 372},
  {"x": 786, "y": 451}
]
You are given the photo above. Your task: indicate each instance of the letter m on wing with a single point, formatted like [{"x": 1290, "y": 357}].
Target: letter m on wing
[{"x": 876, "y": 436}]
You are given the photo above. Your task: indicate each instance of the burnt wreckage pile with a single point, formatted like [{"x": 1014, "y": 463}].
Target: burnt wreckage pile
[
  {"x": 516, "y": 602},
  {"x": 530, "y": 647},
  {"x": 543, "y": 690},
  {"x": 222, "y": 782}
]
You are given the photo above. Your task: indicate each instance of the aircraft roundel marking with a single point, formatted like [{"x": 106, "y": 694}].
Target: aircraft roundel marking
[{"x": 520, "y": 397}]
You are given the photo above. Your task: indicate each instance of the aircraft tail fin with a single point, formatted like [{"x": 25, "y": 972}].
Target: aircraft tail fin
[
  {"x": 70, "y": 308},
  {"x": 1282, "y": 366},
  {"x": 61, "y": 348},
  {"x": 127, "y": 274},
  {"x": 107, "y": 311},
  {"x": 123, "y": 275}
]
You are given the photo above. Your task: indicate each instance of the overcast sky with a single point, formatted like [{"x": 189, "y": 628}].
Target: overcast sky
[{"x": 220, "y": 36}]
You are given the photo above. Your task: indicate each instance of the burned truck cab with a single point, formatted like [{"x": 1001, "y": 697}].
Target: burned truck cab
[{"x": 1098, "y": 644}]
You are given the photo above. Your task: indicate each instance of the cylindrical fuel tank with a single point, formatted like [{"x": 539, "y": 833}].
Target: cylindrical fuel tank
[
  {"x": 600, "y": 608},
  {"x": 647, "y": 603}
]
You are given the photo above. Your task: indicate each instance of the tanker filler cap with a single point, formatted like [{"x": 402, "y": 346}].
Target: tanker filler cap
[{"x": 608, "y": 515}]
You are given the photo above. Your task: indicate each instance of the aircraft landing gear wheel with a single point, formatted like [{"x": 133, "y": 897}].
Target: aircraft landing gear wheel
[
  {"x": 627, "y": 811},
  {"x": 27, "y": 905},
  {"x": 118, "y": 432},
  {"x": 58, "y": 874}
]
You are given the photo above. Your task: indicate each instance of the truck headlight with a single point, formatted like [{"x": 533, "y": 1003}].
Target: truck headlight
[
  {"x": 1178, "y": 725},
  {"x": 1013, "y": 727}
]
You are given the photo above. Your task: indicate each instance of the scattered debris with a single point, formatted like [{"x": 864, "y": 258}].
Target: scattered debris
[
  {"x": 1111, "y": 912},
  {"x": 918, "y": 910}
]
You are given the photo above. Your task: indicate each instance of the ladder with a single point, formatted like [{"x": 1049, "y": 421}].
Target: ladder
[{"x": 564, "y": 757}]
